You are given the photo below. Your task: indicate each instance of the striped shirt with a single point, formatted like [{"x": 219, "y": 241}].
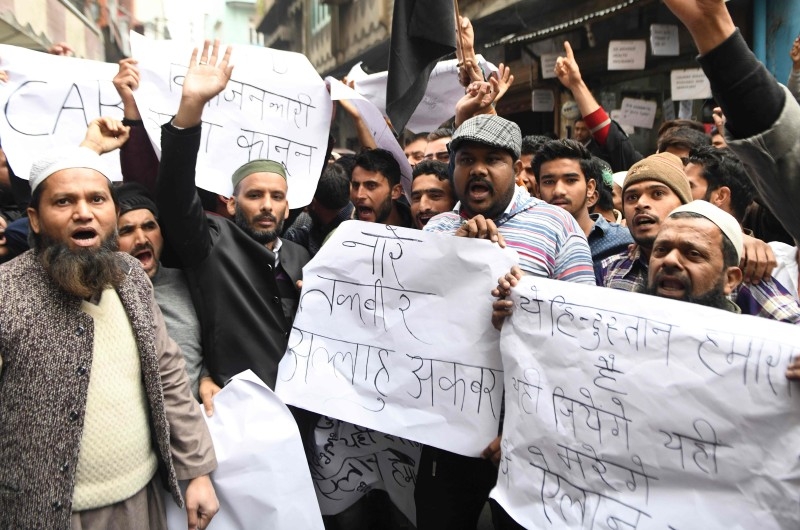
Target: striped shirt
[{"x": 547, "y": 238}]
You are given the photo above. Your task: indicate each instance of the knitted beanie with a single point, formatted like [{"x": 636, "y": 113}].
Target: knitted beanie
[{"x": 665, "y": 168}]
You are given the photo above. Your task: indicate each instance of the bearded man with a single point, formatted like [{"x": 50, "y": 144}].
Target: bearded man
[
  {"x": 241, "y": 275},
  {"x": 94, "y": 397}
]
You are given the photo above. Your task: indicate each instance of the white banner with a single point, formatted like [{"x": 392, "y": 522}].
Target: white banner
[
  {"x": 262, "y": 479},
  {"x": 629, "y": 411},
  {"x": 349, "y": 461},
  {"x": 49, "y": 102},
  {"x": 689, "y": 84},
  {"x": 373, "y": 342},
  {"x": 275, "y": 106},
  {"x": 439, "y": 102},
  {"x": 373, "y": 119}
]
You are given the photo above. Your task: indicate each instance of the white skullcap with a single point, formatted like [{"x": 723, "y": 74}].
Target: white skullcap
[
  {"x": 74, "y": 157},
  {"x": 619, "y": 178},
  {"x": 726, "y": 222}
]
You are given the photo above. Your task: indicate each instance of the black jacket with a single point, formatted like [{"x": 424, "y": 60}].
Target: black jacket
[{"x": 231, "y": 276}]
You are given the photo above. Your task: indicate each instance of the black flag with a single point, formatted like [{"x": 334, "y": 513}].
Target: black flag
[{"x": 423, "y": 31}]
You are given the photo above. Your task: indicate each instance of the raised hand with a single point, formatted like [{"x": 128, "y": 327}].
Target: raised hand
[
  {"x": 567, "y": 69},
  {"x": 105, "y": 134},
  {"x": 501, "y": 82},
  {"x": 794, "y": 54},
  {"x": 477, "y": 100},
  {"x": 708, "y": 21},
  {"x": 206, "y": 77},
  {"x": 126, "y": 81}
]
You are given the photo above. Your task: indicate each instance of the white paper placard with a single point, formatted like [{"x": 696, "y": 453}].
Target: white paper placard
[
  {"x": 349, "y": 461},
  {"x": 638, "y": 112},
  {"x": 626, "y": 54},
  {"x": 262, "y": 479},
  {"x": 275, "y": 107},
  {"x": 616, "y": 114},
  {"x": 372, "y": 343},
  {"x": 437, "y": 105},
  {"x": 542, "y": 101},
  {"x": 664, "y": 39},
  {"x": 689, "y": 84},
  {"x": 625, "y": 410},
  {"x": 49, "y": 101},
  {"x": 380, "y": 131},
  {"x": 548, "y": 62}
]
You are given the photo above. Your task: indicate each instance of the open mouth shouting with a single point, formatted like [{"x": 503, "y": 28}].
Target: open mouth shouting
[
  {"x": 479, "y": 190},
  {"x": 365, "y": 213},
  {"x": 85, "y": 237},
  {"x": 145, "y": 255},
  {"x": 676, "y": 286}
]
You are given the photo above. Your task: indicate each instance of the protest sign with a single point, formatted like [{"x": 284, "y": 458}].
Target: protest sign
[
  {"x": 49, "y": 102},
  {"x": 625, "y": 410},
  {"x": 664, "y": 39},
  {"x": 373, "y": 341},
  {"x": 348, "y": 461},
  {"x": 626, "y": 54},
  {"x": 378, "y": 128},
  {"x": 262, "y": 480},
  {"x": 638, "y": 112},
  {"x": 439, "y": 102},
  {"x": 689, "y": 84},
  {"x": 275, "y": 106}
]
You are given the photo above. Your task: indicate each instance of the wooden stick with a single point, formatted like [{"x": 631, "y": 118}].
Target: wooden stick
[{"x": 459, "y": 51}]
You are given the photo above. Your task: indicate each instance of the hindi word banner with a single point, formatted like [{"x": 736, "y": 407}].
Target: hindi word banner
[
  {"x": 393, "y": 332},
  {"x": 348, "y": 461},
  {"x": 275, "y": 107},
  {"x": 625, "y": 410},
  {"x": 689, "y": 84},
  {"x": 48, "y": 103},
  {"x": 262, "y": 479},
  {"x": 439, "y": 102},
  {"x": 378, "y": 128}
]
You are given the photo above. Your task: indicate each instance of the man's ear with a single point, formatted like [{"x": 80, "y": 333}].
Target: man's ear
[
  {"x": 230, "y": 205},
  {"x": 591, "y": 187},
  {"x": 518, "y": 167},
  {"x": 733, "y": 277},
  {"x": 397, "y": 191},
  {"x": 721, "y": 198},
  {"x": 33, "y": 219}
]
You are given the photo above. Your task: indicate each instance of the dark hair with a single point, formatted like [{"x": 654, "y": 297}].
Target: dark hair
[
  {"x": 682, "y": 138},
  {"x": 380, "y": 161},
  {"x": 333, "y": 189},
  {"x": 730, "y": 257},
  {"x": 431, "y": 167},
  {"x": 532, "y": 143},
  {"x": 441, "y": 132},
  {"x": 410, "y": 137},
  {"x": 605, "y": 197},
  {"x": 347, "y": 162},
  {"x": 722, "y": 168},
  {"x": 577, "y": 120},
  {"x": 671, "y": 124},
  {"x": 570, "y": 149}
]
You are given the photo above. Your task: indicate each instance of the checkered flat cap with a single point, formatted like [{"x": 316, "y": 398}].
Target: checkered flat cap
[{"x": 490, "y": 130}]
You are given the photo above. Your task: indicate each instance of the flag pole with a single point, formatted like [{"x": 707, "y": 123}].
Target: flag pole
[{"x": 459, "y": 51}]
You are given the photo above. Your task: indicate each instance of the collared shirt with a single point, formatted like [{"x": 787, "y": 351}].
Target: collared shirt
[
  {"x": 607, "y": 238},
  {"x": 627, "y": 271},
  {"x": 547, "y": 238}
]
